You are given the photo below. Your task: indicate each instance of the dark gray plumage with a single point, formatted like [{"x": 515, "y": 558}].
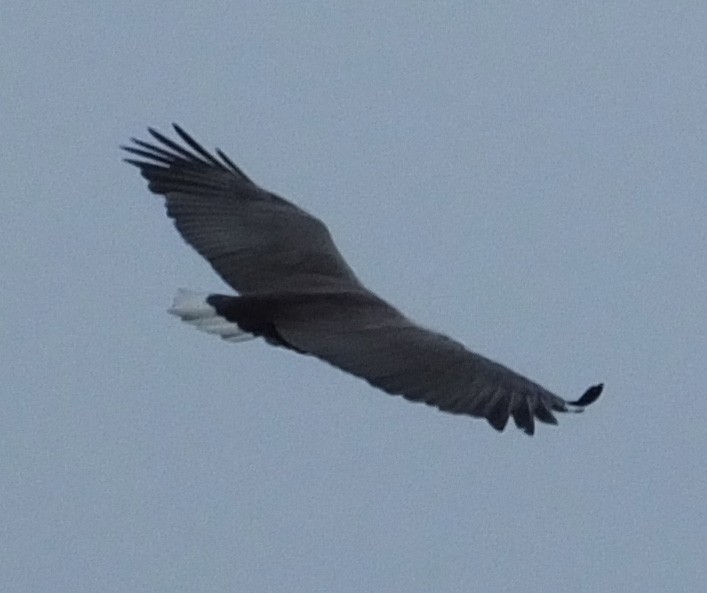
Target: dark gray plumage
[{"x": 297, "y": 291}]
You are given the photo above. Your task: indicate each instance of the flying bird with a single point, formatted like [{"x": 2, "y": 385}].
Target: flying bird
[{"x": 295, "y": 290}]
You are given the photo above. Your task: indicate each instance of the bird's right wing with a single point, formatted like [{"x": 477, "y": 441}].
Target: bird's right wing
[
  {"x": 377, "y": 343},
  {"x": 255, "y": 240}
]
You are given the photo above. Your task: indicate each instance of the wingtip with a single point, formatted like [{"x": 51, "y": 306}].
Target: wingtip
[{"x": 589, "y": 397}]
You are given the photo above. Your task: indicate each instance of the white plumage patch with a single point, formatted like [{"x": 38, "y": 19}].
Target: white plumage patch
[{"x": 192, "y": 307}]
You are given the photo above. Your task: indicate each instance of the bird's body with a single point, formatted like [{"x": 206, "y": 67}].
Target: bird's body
[{"x": 295, "y": 290}]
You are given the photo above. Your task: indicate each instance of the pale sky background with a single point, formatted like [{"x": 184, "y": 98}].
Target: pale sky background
[{"x": 530, "y": 177}]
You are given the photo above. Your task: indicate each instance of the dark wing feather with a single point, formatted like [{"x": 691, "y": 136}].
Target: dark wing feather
[
  {"x": 377, "y": 343},
  {"x": 255, "y": 240}
]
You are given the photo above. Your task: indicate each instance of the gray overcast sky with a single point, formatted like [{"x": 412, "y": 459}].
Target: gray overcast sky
[{"x": 529, "y": 177}]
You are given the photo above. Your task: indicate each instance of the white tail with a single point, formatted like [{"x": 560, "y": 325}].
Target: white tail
[{"x": 193, "y": 308}]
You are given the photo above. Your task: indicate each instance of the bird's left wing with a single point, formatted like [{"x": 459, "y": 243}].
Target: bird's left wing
[{"x": 374, "y": 341}]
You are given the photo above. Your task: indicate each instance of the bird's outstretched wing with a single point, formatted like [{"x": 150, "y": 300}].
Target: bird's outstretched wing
[
  {"x": 372, "y": 340},
  {"x": 255, "y": 240}
]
